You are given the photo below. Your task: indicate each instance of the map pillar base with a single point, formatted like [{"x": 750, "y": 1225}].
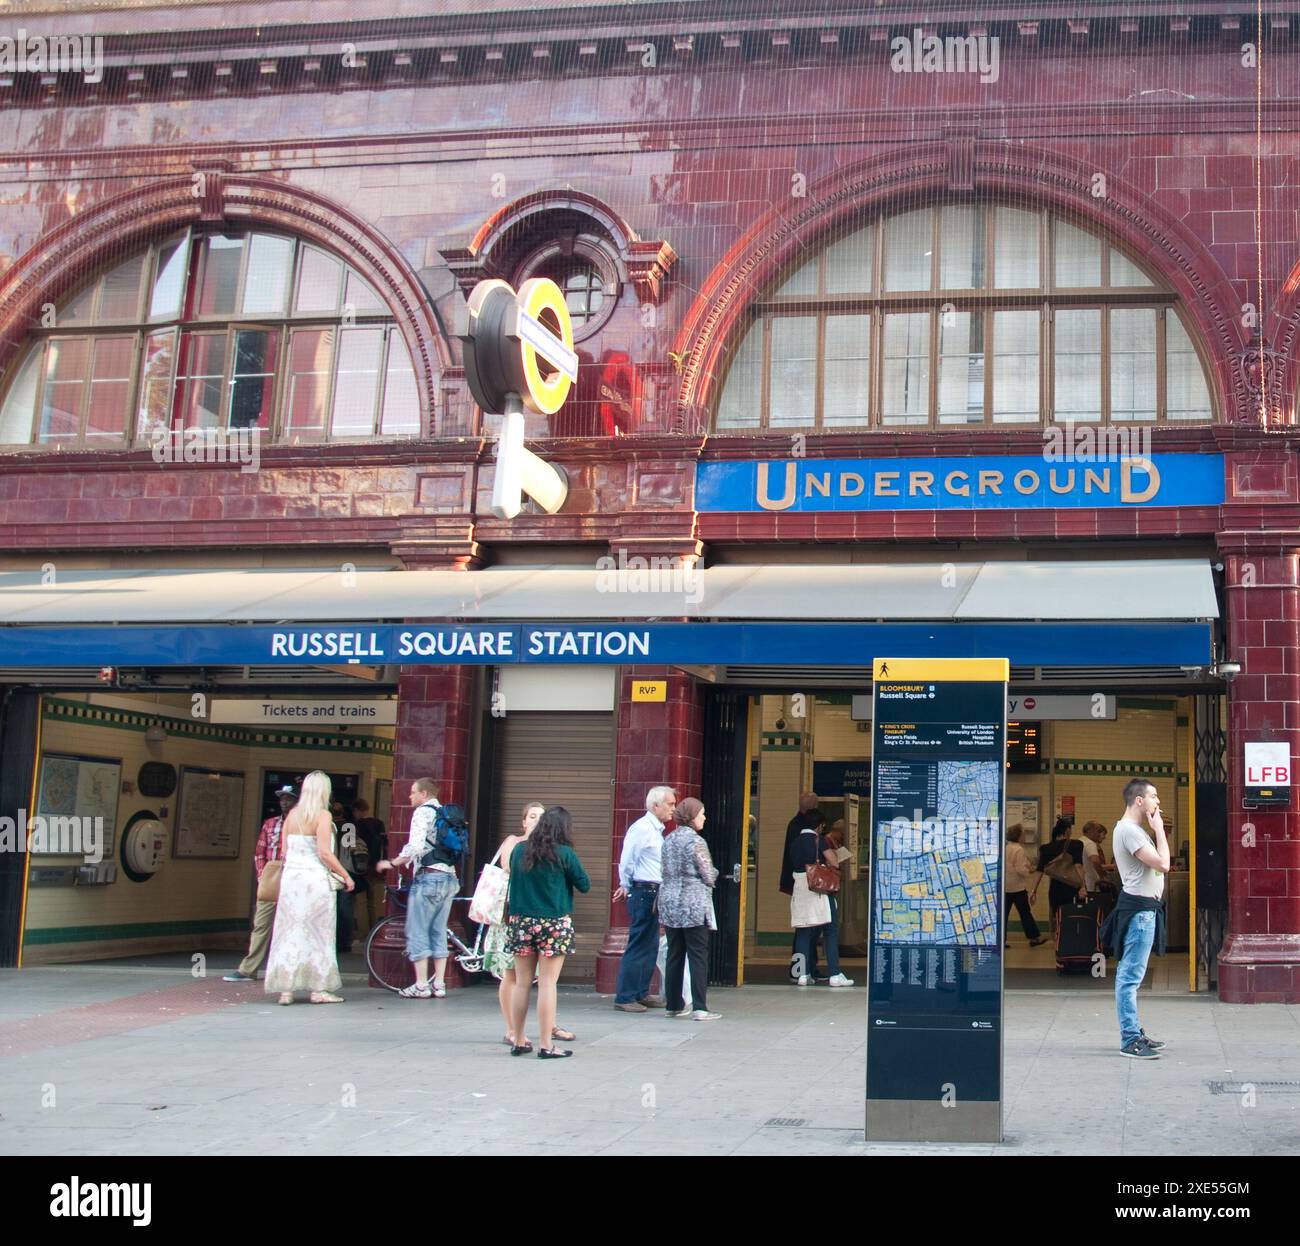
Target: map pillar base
[{"x": 926, "y": 1120}]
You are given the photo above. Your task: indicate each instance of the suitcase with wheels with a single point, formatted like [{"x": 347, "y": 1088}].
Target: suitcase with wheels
[{"x": 1078, "y": 936}]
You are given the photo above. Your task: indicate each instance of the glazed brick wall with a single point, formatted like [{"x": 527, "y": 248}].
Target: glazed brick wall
[{"x": 657, "y": 742}]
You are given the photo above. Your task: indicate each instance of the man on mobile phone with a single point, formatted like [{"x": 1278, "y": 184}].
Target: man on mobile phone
[{"x": 1138, "y": 922}]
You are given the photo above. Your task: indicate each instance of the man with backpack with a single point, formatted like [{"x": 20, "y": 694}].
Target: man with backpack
[{"x": 437, "y": 842}]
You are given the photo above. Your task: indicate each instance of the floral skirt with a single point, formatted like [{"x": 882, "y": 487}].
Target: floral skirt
[{"x": 541, "y": 936}]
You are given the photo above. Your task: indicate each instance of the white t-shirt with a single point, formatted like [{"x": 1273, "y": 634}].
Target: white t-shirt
[
  {"x": 1090, "y": 875},
  {"x": 1138, "y": 879}
]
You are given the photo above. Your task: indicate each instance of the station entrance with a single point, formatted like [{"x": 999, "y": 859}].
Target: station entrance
[
  {"x": 149, "y": 803},
  {"x": 1069, "y": 754}
]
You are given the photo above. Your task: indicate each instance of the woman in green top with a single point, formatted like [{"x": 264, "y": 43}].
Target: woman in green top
[{"x": 544, "y": 870}]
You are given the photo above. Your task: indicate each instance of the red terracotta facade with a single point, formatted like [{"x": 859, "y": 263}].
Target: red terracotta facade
[{"x": 415, "y": 162}]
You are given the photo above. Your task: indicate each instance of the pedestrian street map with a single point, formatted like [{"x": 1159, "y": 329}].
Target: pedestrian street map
[{"x": 939, "y": 879}]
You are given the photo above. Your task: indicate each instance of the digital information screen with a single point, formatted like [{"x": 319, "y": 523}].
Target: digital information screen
[{"x": 934, "y": 1010}]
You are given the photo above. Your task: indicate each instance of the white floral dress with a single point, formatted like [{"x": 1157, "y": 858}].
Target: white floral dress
[{"x": 303, "y": 955}]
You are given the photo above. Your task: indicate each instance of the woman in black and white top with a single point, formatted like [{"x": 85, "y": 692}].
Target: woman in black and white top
[{"x": 809, "y": 846}]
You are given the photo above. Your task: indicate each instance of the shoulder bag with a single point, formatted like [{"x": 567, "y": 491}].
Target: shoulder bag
[
  {"x": 488, "y": 907},
  {"x": 823, "y": 879},
  {"x": 268, "y": 886},
  {"x": 1062, "y": 869}
]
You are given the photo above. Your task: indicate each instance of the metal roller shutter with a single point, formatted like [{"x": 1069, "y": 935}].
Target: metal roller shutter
[{"x": 565, "y": 759}]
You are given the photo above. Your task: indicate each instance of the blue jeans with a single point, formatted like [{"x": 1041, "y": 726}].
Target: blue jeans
[
  {"x": 1132, "y": 968},
  {"x": 807, "y": 937},
  {"x": 638, "y": 964},
  {"x": 427, "y": 912}
]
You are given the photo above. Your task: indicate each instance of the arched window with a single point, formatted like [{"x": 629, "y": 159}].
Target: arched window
[
  {"x": 965, "y": 315},
  {"x": 215, "y": 331}
]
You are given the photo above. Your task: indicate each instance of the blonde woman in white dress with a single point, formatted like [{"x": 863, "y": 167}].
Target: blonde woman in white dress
[{"x": 303, "y": 956}]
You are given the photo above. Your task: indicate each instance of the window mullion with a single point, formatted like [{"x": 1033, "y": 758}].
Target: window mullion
[
  {"x": 765, "y": 390},
  {"x": 1105, "y": 364},
  {"x": 336, "y": 355},
  {"x": 989, "y": 318},
  {"x": 1047, "y": 363},
  {"x": 819, "y": 370},
  {"x": 381, "y": 386},
  {"x": 1162, "y": 374},
  {"x": 932, "y": 349}
]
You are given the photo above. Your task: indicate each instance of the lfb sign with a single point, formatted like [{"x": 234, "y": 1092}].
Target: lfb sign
[
  {"x": 519, "y": 353},
  {"x": 1268, "y": 775}
]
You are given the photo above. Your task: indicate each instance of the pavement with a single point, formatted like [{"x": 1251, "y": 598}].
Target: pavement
[{"x": 146, "y": 1059}]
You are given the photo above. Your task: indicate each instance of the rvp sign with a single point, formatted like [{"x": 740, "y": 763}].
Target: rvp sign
[{"x": 1268, "y": 775}]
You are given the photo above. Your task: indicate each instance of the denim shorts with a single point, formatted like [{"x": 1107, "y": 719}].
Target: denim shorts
[{"x": 427, "y": 912}]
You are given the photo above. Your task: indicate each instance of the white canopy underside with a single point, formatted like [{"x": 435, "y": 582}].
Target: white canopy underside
[{"x": 1116, "y": 590}]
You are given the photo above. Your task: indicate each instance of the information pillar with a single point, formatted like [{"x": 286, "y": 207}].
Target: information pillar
[{"x": 934, "y": 1003}]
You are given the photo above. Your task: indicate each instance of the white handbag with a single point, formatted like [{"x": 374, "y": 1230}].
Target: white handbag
[{"x": 488, "y": 907}]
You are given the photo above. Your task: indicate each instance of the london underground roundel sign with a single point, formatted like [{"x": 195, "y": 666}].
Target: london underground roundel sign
[{"x": 520, "y": 344}]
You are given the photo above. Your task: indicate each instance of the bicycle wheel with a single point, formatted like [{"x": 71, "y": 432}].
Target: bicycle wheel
[{"x": 380, "y": 965}]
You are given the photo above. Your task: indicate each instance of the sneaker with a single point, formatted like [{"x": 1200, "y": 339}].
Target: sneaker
[
  {"x": 415, "y": 991},
  {"x": 236, "y": 977},
  {"x": 632, "y": 1007},
  {"x": 678, "y": 1014},
  {"x": 703, "y": 1014},
  {"x": 439, "y": 991},
  {"x": 1139, "y": 1049},
  {"x": 1156, "y": 1044},
  {"x": 806, "y": 980},
  {"x": 840, "y": 980},
  {"x": 651, "y": 1001}
]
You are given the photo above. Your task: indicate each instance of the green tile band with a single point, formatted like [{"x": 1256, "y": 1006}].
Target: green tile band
[
  {"x": 135, "y": 930},
  {"x": 57, "y": 709}
]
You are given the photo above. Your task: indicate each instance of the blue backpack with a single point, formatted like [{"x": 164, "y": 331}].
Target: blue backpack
[{"x": 450, "y": 837}]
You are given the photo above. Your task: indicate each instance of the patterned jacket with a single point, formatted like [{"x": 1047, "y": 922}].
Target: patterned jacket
[{"x": 689, "y": 875}]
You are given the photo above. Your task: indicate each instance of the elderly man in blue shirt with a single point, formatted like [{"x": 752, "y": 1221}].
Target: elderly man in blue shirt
[{"x": 640, "y": 873}]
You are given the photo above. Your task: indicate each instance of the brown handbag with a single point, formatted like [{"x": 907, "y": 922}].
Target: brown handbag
[
  {"x": 268, "y": 886},
  {"x": 823, "y": 879}
]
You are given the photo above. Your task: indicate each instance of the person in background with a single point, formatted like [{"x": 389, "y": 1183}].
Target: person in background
[
  {"x": 640, "y": 873},
  {"x": 811, "y": 846},
  {"x": 351, "y": 850},
  {"x": 302, "y": 948},
  {"x": 1097, "y": 875},
  {"x": 269, "y": 848},
  {"x": 496, "y": 960},
  {"x": 1060, "y": 894},
  {"x": 800, "y": 821},
  {"x": 1019, "y": 872},
  {"x": 434, "y": 884},
  {"x": 544, "y": 871},
  {"x": 371, "y": 832},
  {"x": 685, "y": 908}
]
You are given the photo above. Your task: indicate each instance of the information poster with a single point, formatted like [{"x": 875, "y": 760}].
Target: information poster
[
  {"x": 211, "y": 810},
  {"x": 934, "y": 1013}
]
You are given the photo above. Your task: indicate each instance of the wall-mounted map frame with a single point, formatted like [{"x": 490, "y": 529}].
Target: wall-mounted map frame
[
  {"x": 209, "y": 814},
  {"x": 72, "y": 785}
]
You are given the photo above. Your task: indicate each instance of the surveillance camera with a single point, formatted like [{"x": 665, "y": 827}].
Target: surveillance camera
[
  {"x": 780, "y": 724},
  {"x": 1228, "y": 670},
  {"x": 1192, "y": 672}
]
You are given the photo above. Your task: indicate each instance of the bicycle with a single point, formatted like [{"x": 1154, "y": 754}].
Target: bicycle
[{"x": 470, "y": 959}]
